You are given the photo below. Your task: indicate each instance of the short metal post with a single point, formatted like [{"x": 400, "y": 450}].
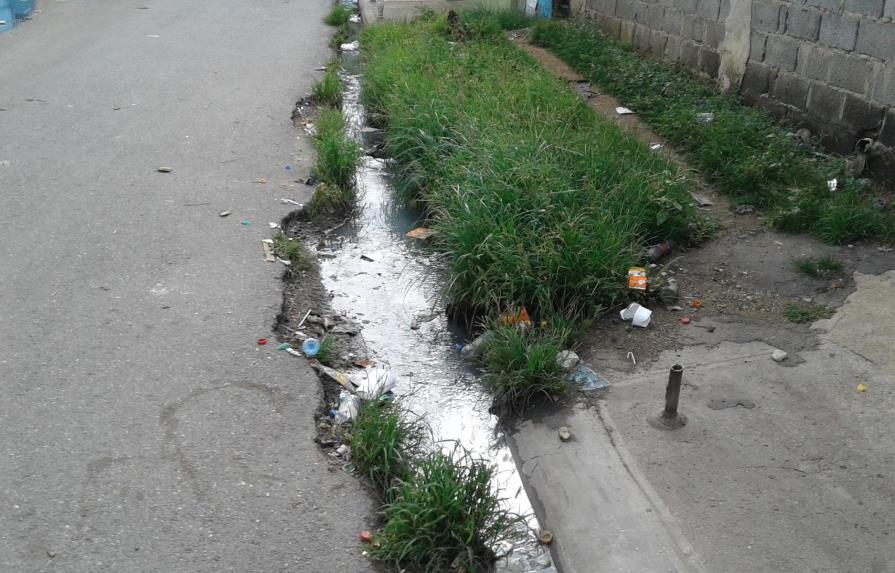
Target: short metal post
[{"x": 670, "y": 418}]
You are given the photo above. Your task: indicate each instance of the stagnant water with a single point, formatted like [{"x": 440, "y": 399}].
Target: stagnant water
[{"x": 393, "y": 293}]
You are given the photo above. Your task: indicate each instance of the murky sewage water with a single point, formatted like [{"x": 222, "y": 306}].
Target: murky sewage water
[{"x": 394, "y": 297}]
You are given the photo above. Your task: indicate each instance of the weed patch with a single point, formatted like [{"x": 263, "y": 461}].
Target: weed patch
[
  {"x": 338, "y": 15},
  {"x": 818, "y": 267},
  {"x": 328, "y": 89},
  {"x": 293, "y": 251},
  {"x": 800, "y": 313},
  {"x": 741, "y": 151},
  {"x": 384, "y": 442},
  {"x": 337, "y": 157},
  {"x": 537, "y": 200},
  {"x": 445, "y": 517}
]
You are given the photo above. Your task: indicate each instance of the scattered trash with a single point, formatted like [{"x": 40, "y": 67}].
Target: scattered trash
[
  {"x": 262, "y": 341},
  {"x": 261, "y": 180},
  {"x": 366, "y": 258},
  {"x": 421, "y": 233},
  {"x": 349, "y": 404},
  {"x": 293, "y": 351},
  {"x": 366, "y": 536},
  {"x": 374, "y": 382},
  {"x": 267, "y": 245},
  {"x": 518, "y": 318},
  {"x": 224, "y": 214},
  {"x": 474, "y": 349},
  {"x": 637, "y": 278},
  {"x": 287, "y": 168},
  {"x": 696, "y": 303},
  {"x": 630, "y": 356},
  {"x": 669, "y": 291},
  {"x": 153, "y": 36},
  {"x": 585, "y": 379},
  {"x": 246, "y": 222},
  {"x": 334, "y": 375},
  {"x": 273, "y": 225},
  {"x": 350, "y": 47},
  {"x": 637, "y": 314},
  {"x": 567, "y": 360},
  {"x": 779, "y": 355},
  {"x": 311, "y": 129},
  {"x": 837, "y": 283},
  {"x": 361, "y": 363},
  {"x": 165, "y": 169},
  {"x": 685, "y": 320},
  {"x": 744, "y": 209},
  {"x": 861, "y": 387},
  {"x": 307, "y": 314},
  {"x": 833, "y": 184},
  {"x": 655, "y": 146},
  {"x": 657, "y": 252},
  {"x": 284, "y": 346},
  {"x": 707, "y": 328},
  {"x": 675, "y": 307},
  {"x": 343, "y": 450},
  {"x": 565, "y": 434},
  {"x": 701, "y": 200},
  {"x": 623, "y": 111},
  {"x": 705, "y": 117},
  {"x": 310, "y": 347},
  {"x": 545, "y": 537},
  {"x": 286, "y": 201}
]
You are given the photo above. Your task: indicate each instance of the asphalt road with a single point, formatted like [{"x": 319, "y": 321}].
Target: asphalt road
[{"x": 141, "y": 427}]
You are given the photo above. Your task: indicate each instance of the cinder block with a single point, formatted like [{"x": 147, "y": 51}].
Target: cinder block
[
  {"x": 686, "y": 6},
  {"x": 625, "y": 9},
  {"x": 757, "y": 80},
  {"x": 802, "y": 23},
  {"x": 825, "y": 102},
  {"x": 765, "y": 16},
  {"x": 871, "y": 8},
  {"x": 658, "y": 39},
  {"x": 850, "y": 72},
  {"x": 708, "y": 9},
  {"x": 692, "y": 28},
  {"x": 689, "y": 55},
  {"x": 861, "y": 115},
  {"x": 756, "y": 47},
  {"x": 654, "y": 16},
  {"x": 889, "y": 12},
  {"x": 883, "y": 90},
  {"x": 814, "y": 62},
  {"x": 828, "y": 5},
  {"x": 642, "y": 36},
  {"x": 709, "y": 61},
  {"x": 887, "y": 133},
  {"x": 782, "y": 52},
  {"x": 876, "y": 39},
  {"x": 671, "y": 21},
  {"x": 839, "y": 31},
  {"x": 714, "y": 34},
  {"x": 626, "y": 31},
  {"x": 725, "y": 11},
  {"x": 791, "y": 89},
  {"x": 673, "y": 49}
]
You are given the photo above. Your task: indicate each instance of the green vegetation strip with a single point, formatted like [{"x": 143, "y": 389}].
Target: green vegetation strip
[
  {"x": 537, "y": 200},
  {"x": 740, "y": 150}
]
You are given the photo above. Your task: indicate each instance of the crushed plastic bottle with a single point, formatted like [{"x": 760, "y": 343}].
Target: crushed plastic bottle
[
  {"x": 310, "y": 347},
  {"x": 585, "y": 379},
  {"x": 348, "y": 407}
]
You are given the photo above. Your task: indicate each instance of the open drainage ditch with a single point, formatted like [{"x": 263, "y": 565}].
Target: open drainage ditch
[{"x": 389, "y": 286}]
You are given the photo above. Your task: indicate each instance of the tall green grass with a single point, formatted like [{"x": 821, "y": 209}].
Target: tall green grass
[
  {"x": 337, "y": 157},
  {"x": 741, "y": 151},
  {"x": 536, "y": 198},
  {"x": 328, "y": 89},
  {"x": 384, "y": 442},
  {"x": 338, "y": 15}
]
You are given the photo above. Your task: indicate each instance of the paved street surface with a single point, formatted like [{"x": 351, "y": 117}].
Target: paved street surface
[{"x": 141, "y": 428}]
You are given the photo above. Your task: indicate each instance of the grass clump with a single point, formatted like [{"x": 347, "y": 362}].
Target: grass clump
[
  {"x": 291, "y": 250},
  {"x": 340, "y": 37},
  {"x": 328, "y": 89},
  {"x": 818, "y": 267},
  {"x": 445, "y": 517},
  {"x": 338, "y": 15},
  {"x": 328, "y": 352},
  {"x": 741, "y": 151},
  {"x": 384, "y": 442},
  {"x": 337, "y": 157},
  {"x": 521, "y": 365},
  {"x": 537, "y": 200},
  {"x": 800, "y": 313}
]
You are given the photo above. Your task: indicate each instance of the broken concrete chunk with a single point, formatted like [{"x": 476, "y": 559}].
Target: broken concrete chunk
[
  {"x": 779, "y": 355},
  {"x": 567, "y": 360}
]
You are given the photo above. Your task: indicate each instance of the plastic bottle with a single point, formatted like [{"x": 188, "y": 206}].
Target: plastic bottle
[{"x": 310, "y": 347}]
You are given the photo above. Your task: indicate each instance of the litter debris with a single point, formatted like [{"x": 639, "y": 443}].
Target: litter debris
[
  {"x": 374, "y": 382},
  {"x": 421, "y": 233},
  {"x": 519, "y": 318},
  {"x": 246, "y": 222},
  {"x": 637, "y": 278},
  {"x": 334, "y": 375},
  {"x": 366, "y": 536},
  {"x": 630, "y": 356},
  {"x": 153, "y": 36},
  {"x": 287, "y": 168},
  {"x": 657, "y": 252},
  {"x": 669, "y": 291},
  {"x": 623, "y": 111},
  {"x": 655, "y": 146},
  {"x": 366, "y": 258},
  {"x": 685, "y": 320},
  {"x": 861, "y": 387},
  {"x": 224, "y": 214},
  {"x": 361, "y": 362},
  {"x": 567, "y": 360},
  {"x": 565, "y": 434},
  {"x": 696, "y": 303},
  {"x": 293, "y": 351},
  {"x": 310, "y": 347},
  {"x": 701, "y": 200},
  {"x": 273, "y": 225},
  {"x": 267, "y": 245},
  {"x": 348, "y": 407},
  {"x": 545, "y": 537},
  {"x": 637, "y": 314},
  {"x": 779, "y": 355},
  {"x": 286, "y": 201},
  {"x": 350, "y": 47},
  {"x": 165, "y": 169},
  {"x": 744, "y": 209},
  {"x": 585, "y": 379},
  {"x": 261, "y": 180},
  {"x": 262, "y": 341},
  {"x": 284, "y": 346},
  {"x": 311, "y": 129},
  {"x": 474, "y": 349},
  {"x": 706, "y": 117},
  {"x": 675, "y": 307},
  {"x": 833, "y": 184}
]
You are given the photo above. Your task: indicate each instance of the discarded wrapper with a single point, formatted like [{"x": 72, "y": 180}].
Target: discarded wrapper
[
  {"x": 637, "y": 278},
  {"x": 706, "y": 117},
  {"x": 373, "y": 382},
  {"x": 519, "y": 318},
  {"x": 267, "y": 245},
  {"x": 623, "y": 111},
  {"x": 421, "y": 233},
  {"x": 637, "y": 314}
]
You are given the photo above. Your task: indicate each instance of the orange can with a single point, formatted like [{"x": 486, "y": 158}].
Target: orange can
[{"x": 637, "y": 278}]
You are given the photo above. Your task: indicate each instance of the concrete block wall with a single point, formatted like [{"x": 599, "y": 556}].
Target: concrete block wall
[{"x": 825, "y": 64}]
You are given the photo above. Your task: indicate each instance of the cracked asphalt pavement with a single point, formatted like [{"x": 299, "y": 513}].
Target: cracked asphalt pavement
[{"x": 141, "y": 427}]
